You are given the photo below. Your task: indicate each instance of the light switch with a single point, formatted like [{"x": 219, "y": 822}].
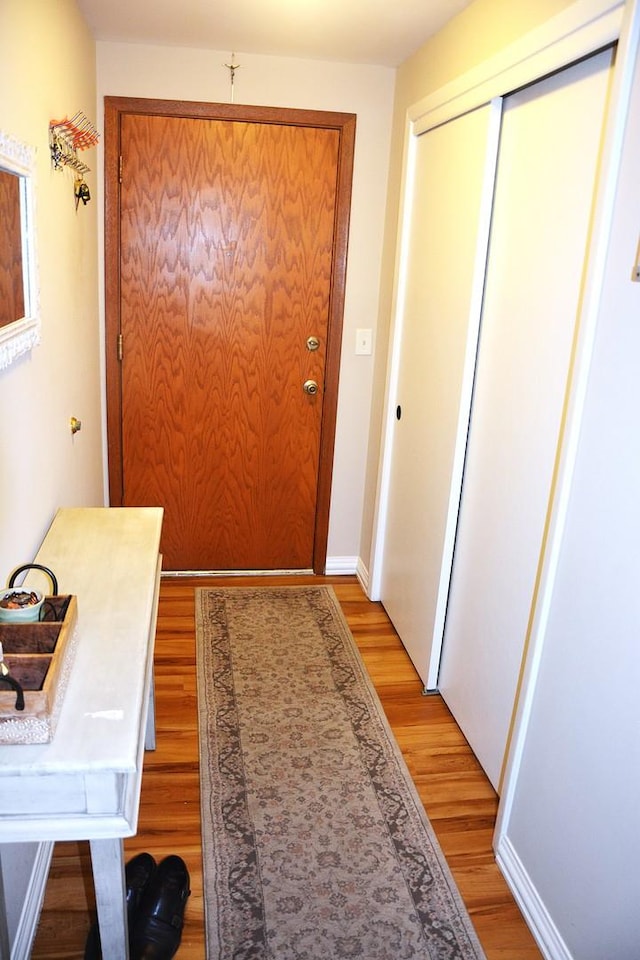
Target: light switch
[{"x": 364, "y": 340}]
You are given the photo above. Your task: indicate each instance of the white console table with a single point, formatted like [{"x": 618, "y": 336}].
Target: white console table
[{"x": 85, "y": 784}]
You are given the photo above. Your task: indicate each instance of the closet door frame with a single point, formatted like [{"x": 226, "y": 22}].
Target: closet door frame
[
  {"x": 628, "y": 50},
  {"x": 583, "y": 28},
  {"x": 533, "y": 283}
]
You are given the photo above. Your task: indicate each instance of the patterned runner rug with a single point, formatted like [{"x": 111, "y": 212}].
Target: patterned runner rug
[{"x": 315, "y": 843}]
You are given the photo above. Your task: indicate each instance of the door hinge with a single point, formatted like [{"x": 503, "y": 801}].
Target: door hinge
[
  {"x": 120, "y": 169},
  {"x": 120, "y": 351}
]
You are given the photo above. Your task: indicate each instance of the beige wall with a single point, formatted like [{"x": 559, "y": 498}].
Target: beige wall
[
  {"x": 475, "y": 35},
  {"x": 181, "y": 74},
  {"x": 47, "y": 70}
]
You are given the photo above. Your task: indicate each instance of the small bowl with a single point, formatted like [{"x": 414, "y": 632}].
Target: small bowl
[{"x": 27, "y": 614}]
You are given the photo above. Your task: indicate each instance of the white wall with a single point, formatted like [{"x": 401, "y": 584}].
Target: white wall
[
  {"x": 179, "y": 74},
  {"x": 47, "y": 71},
  {"x": 572, "y": 827}
]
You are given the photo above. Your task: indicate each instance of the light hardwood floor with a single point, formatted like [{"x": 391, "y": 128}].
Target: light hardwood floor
[{"x": 457, "y": 796}]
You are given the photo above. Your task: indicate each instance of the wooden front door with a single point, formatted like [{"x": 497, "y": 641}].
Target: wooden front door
[{"x": 226, "y": 250}]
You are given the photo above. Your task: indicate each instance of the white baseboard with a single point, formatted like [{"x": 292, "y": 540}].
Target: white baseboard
[
  {"x": 334, "y": 567},
  {"x": 340, "y": 566},
  {"x": 347, "y": 566},
  {"x": 362, "y": 574},
  {"x": 34, "y": 898},
  {"x": 531, "y": 905}
]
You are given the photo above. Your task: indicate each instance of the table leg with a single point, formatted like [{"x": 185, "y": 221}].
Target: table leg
[
  {"x": 150, "y": 731},
  {"x": 4, "y": 930},
  {"x": 107, "y": 858}
]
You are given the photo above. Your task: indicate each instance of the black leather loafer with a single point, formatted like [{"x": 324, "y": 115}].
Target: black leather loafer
[
  {"x": 137, "y": 873},
  {"x": 157, "y": 930}
]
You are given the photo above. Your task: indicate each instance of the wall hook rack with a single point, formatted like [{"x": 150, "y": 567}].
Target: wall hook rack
[{"x": 67, "y": 137}]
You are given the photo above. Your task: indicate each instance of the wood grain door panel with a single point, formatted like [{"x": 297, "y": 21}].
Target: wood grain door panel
[{"x": 227, "y": 264}]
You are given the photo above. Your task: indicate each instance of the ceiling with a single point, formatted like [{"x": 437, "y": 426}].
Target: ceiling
[{"x": 383, "y": 32}]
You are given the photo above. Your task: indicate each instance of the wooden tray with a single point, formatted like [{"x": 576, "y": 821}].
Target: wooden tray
[{"x": 39, "y": 656}]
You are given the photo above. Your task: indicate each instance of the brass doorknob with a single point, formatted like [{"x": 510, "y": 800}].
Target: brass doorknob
[{"x": 310, "y": 387}]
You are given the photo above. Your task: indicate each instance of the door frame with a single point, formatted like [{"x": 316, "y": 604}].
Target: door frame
[{"x": 345, "y": 125}]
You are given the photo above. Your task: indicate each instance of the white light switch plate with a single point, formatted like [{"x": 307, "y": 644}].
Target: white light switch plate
[{"x": 364, "y": 341}]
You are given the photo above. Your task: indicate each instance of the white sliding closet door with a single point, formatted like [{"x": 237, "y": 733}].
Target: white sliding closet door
[
  {"x": 549, "y": 146},
  {"x": 444, "y": 248}
]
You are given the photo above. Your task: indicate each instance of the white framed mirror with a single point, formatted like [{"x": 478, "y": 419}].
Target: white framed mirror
[{"x": 19, "y": 292}]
